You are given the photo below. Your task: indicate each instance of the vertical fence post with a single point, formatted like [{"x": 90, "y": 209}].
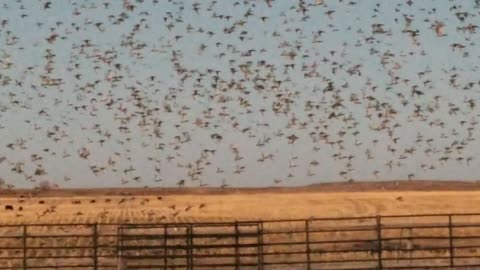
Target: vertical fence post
[
  {"x": 190, "y": 246},
  {"x": 24, "y": 247},
  {"x": 307, "y": 240},
  {"x": 165, "y": 250},
  {"x": 237, "y": 253},
  {"x": 120, "y": 259},
  {"x": 95, "y": 246},
  {"x": 260, "y": 245},
  {"x": 379, "y": 240},
  {"x": 450, "y": 238}
]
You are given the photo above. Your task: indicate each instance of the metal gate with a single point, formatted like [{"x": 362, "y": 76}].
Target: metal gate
[{"x": 191, "y": 246}]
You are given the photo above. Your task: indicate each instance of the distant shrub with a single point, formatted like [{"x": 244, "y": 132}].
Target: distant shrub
[{"x": 45, "y": 185}]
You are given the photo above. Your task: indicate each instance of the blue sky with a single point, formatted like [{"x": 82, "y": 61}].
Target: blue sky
[{"x": 188, "y": 52}]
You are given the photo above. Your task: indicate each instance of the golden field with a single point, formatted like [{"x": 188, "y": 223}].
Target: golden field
[
  {"x": 183, "y": 205},
  {"x": 118, "y": 206}
]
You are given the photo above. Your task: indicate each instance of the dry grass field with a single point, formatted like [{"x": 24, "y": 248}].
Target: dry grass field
[
  {"x": 208, "y": 205},
  {"x": 183, "y": 205}
]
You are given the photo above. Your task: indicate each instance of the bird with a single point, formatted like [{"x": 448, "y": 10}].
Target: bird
[
  {"x": 232, "y": 89},
  {"x": 439, "y": 28}
]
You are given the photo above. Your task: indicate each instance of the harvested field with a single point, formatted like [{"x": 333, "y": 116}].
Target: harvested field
[
  {"x": 332, "y": 244},
  {"x": 200, "y": 205}
]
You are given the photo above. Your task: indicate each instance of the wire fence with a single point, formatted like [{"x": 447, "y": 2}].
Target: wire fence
[{"x": 377, "y": 242}]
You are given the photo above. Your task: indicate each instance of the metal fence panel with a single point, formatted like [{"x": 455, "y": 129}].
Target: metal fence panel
[{"x": 380, "y": 242}]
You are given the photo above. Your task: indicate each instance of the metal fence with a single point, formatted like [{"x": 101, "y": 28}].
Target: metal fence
[{"x": 378, "y": 242}]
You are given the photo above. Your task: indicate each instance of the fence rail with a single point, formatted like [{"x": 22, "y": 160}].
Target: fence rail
[{"x": 378, "y": 242}]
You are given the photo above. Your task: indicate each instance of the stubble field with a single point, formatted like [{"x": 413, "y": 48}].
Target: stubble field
[
  {"x": 200, "y": 205},
  {"x": 132, "y": 206}
]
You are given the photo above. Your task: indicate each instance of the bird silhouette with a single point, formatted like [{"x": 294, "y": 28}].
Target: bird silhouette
[{"x": 190, "y": 93}]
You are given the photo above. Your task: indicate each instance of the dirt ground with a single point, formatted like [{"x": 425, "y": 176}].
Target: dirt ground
[{"x": 192, "y": 205}]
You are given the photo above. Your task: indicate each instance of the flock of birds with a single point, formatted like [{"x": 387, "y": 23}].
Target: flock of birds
[
  {"x": 170, "y": 211},
  {"x": 247, "y": 92}
]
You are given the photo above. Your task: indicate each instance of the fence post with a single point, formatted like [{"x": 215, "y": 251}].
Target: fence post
[
  {"x": 165, "y": 250},
  {"x": 260, "y": 245},
  {"x": 190, "y": 246},
  {"x": 95, "y": 246},
  {"x": 237, "y": 252},
  {"x": 450, "y": 237},
  {"x": 307, "y": 238},
  {"x": 121, "y": 263},
  {"x": 379, "y": 240},
  {"x": 24, "y": 247}
]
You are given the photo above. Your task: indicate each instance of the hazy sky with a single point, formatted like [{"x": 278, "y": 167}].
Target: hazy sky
[{"x": 150, "y": 93}]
